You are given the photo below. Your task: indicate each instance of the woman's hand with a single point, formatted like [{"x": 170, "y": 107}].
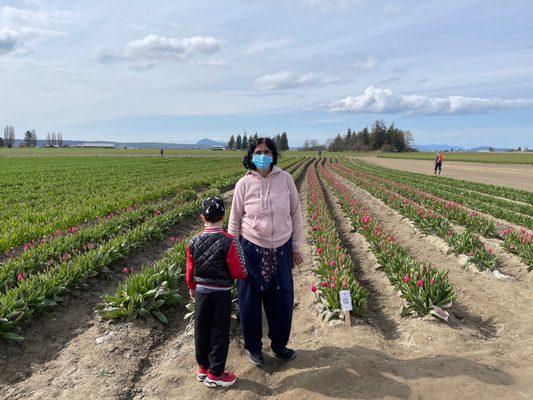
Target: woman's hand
[{"x": 297, "y": 257}]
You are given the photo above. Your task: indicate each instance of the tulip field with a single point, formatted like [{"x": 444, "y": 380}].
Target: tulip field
[{"x": 92, "y": 261}]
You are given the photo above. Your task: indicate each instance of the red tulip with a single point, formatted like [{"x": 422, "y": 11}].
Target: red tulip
[
  {"x": 420, "y": 283},
  {"x": 319, "y": 251},
  {"x": 313, "y": 288},
  {"x": 173, "y": 239},
  {"x": 324, "y": 284}
]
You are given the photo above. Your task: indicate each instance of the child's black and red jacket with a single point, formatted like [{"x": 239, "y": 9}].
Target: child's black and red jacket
[{"x": 214, "y": 260}]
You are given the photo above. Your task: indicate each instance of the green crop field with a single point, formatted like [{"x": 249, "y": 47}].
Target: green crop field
[{"x": 62, "y": 219}]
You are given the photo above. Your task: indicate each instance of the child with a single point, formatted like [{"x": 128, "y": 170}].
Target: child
[{"x": 214, "y": 260}]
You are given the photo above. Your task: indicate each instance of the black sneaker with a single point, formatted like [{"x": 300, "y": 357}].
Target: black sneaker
[
  {"x": 256, "y": 359},
  {"x": 286, "y": 354}
]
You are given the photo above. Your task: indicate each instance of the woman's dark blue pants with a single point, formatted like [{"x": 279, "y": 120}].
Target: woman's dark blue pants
[{"x": 277, "y": 300}]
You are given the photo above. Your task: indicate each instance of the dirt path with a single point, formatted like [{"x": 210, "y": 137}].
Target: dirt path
[{"x": 517, "y": 176}]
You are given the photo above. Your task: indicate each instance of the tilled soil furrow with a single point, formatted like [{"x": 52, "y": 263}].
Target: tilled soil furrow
[{"x": 383, "y": 304}]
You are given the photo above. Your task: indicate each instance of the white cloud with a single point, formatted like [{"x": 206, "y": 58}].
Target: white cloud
[
  {"x": 160, "y": 47},
  {"x": 9, "y": 40},
  {"x": 148, "y": 51},
  {"x": 384, "y": 101},
  {"x": 261, "y": 45},
  {"x": 23, "y": 29},
  {"x": 285, "y": 80},
  {"x": 367, "y": 65}
]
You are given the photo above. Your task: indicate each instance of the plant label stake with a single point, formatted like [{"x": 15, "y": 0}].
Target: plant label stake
[{"x": 346, "y": 305}]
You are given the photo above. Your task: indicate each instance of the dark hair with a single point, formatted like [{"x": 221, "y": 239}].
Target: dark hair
[
  {"x": 213, "y": 209},
  {"x": 247, "y": 160}
]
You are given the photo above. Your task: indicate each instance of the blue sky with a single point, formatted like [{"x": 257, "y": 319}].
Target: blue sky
[{"x": 455, "y": 72}]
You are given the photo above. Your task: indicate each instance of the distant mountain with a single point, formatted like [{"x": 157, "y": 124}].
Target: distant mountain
[
  {"x": 209, "y": 143},
  {"x": 447, "y": 147},
  {"x": 201, "y": 144},
  {"x": 485, "y": 148},
  {"x": 437, "y": 147}
]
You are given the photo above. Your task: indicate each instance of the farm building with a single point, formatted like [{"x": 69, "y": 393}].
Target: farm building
[{"x": 98, "y": 145}]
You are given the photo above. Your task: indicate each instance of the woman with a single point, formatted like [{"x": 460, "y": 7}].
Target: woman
[{"x": 266, "y": 215}]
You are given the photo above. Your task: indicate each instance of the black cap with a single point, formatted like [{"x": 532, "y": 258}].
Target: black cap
[{"x": 213, "y": 209}]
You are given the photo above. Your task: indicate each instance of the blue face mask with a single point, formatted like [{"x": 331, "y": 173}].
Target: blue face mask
[{"x": 262, "y": 161}]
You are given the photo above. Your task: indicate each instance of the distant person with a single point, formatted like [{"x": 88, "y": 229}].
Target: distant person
[
  {"x": 319, "y": 153},
  {"x": 438, "y": 162},
  {"x": 214, "y": 259},
  {"x": 161, "y": 152}
]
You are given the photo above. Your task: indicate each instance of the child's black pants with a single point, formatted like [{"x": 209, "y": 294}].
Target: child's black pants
[{"x": 212, "y": 317}]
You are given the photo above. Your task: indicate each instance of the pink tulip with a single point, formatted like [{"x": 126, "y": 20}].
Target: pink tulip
[
  {"x": 332, "y": 285},
  {"x": 126, "y": 270},
  {"x": 331, "y": 263},
  {"x": 21, "y": 276},
  {"x": 432, "y": 281},
  {"x": 173, "y": 239},
  {"x": 319, "y": 251},
  {"x": 406, "y": 279}
]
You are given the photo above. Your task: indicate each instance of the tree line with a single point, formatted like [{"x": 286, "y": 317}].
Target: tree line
[
  {"x": 378, "y": 137},
  {"x": 242, "y": 142},
  {"x": 30, "y": 138}
]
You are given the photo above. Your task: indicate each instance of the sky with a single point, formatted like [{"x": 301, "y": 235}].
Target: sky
[{"x": 451, "y": 72}]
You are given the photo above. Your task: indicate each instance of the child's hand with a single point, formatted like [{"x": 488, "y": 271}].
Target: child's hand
[{"x": 192, "y": 293}]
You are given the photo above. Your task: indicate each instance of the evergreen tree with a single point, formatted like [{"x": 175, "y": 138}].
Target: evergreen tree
[
  {"x": 28, "y": 139},
  {"x": 1, "y": 142},
  {"x": 284, "y": 142},
  {"x": 33, "y": 138},
  {"x": 255, "y": 137},
  {"x": 238, "y": 142},
  {"x": 244, "y": 142},
  {"x": 231, "y": 143}
]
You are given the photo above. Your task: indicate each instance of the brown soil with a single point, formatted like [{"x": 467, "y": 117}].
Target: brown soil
[
  {"x": 517, "y": 176},
  {"x": 484, "y": 352}
]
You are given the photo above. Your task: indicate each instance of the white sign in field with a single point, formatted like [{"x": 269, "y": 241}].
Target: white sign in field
[{"x": 346, "y": 300}]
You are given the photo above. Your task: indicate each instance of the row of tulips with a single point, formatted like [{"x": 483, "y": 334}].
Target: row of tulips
[
  {"x": 62, "y": 248},
  {"x": 519, "y": 242},
  {"x": 147, "y": 292},
  {"x": 424, "y": 289},
  {"x": 427, "y": 220},
  {"x": 334, "y": 269},
  {"x": 41, "y": 291},
  {"x": 452, "y": 190}
]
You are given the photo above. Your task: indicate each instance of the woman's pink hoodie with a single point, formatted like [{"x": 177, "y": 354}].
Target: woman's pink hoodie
[{"x": 266, "y": 211}]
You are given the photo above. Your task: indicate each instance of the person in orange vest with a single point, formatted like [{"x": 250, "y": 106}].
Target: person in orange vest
[{"x": 438, "y": 162}]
